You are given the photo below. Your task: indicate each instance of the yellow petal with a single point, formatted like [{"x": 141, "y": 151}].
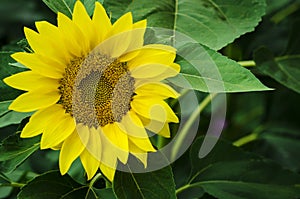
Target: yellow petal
[
  {"x": 154, "y": 54},
  {"x": 39, "y": 120},
  {"x": 142, "y": 143},
  {"x": 57, "y": 147},
  {"x": 51, "y": 33},
  {"x": 33, "y": 100},
  {"x": 57, "y": 131},
  {"x": 84, "y": 22},
  {"x": 42, "y": 45},
  {"x": 90, "y": 163},
  {"x": 153, "y": 70},
  {"x": 74, "y": 38},
  {"x": 109, "y": 172},
  {"x": 120, "y": 37},
  {"x": 40, "y": 64},
  {"x": 102, "y": 24},
  {"x": 29, "y": 80},
  {"x": 94, "y": 145},
  {"x": 123, "y": 24},
  {"x": 139, "y": 153},
  {"x": 109, "y": 154},
  {"x": 170, "y": 71},
  {"x": 132, "y": 125},
  {"x": 156, "y": 89},
  {"x": 153, "y": 108},
  {"x": 153, "y": 125},
  {"x": 116, "y": 141},
  {"x": 73, "y": 147},
  {"x": 165, "y": 131},
  {"x": 138, "y": 31},
  {"x": 129, "y": 56}
]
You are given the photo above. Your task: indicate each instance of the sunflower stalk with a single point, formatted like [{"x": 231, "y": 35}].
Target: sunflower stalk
[{"x": 190, "y": 122}]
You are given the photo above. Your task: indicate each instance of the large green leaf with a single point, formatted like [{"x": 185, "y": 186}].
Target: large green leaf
[
  {"x": 214, "y": 23},
  {"x": 241, "y": 190},
  {"x": 105, "y": 193},
  {"x": 280, "y": 144},
  {"x": 229, "y": 172},
  {"x": 55, "y": 186},
  {"x": 151, "y": 185},
  {"x": 8, "y": 117},
  {"x": 14, "y": 151},
  {"x": 285, "y": 69},
  {"x": 206, "y": 70},
  {"x": 66, "y": 6},
  {"x": 7, "y": 93}
]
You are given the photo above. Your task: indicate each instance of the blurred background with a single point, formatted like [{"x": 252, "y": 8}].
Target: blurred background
[{"x": 14, "y": 15}]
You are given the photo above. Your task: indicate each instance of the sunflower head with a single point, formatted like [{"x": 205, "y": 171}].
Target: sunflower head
[{"x": 96, "y": 89}]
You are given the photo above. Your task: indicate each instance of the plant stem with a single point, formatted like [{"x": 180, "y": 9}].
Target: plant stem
[
  {"x": 95, "y": 179},
  {"x": 282, "y": 14},
  {"x": 12, "y": 184},
  {"x": 249, "y": 138},
  {"x": 180, "y": 189},
  {"x": 249, "y": 63},
  {"x": 182, "y": 134}
]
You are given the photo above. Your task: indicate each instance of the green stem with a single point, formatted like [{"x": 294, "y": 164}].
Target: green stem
[
  {"x": 180, "y": 189},
  {"x": 95, "y": 179},
  {"x": 282, "y": 14},
  {"x": 12, "y": 184},
  {"x": 182, "y": 134},
  {"x": 249, "y": 63},
  {"x": 108, "y": 184},
  {"x": 249, "y": 138}
]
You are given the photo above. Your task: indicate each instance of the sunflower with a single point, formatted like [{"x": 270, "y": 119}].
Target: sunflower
[{"x": 96, "y": 89}]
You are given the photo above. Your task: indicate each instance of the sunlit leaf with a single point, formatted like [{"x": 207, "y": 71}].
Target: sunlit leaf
[
  {"x": 206, "y": 70},
  {"x": 285, "y": 69},
  {"x": 7, "y": 93},
  {"x": 8, "y": 117},
  {"x": 212, "y": 23},
  {"x": 15, "y": 150},
  {"x": 151, "y": 185}
]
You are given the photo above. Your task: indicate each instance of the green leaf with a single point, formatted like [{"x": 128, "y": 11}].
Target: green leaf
[
  {"x": 212, "y": 23},
  {"x": 151, "y": 185},
  {"x": 55, "y": 186},
  {"x": 206, "y": 70},
  {"x": 242, "y": 190},
  {"x": 280, "y": 144},
  {"x": 105, "y": 193},
  {"x": 7, "y": 93},
  {"x": 8, "y": 117},
  {"x": 66, "y": 6},
  {"x": 284, "y": 70},
  {"x": 14, "y": 151},
  {"x": 229, "y": 172}
]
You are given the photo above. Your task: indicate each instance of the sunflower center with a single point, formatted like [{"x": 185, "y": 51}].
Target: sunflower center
[{"x": 96, "y": 90}]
